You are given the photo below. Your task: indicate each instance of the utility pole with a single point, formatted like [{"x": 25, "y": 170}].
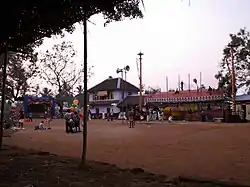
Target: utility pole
[
  {"x": 166, "y": 83},
  {"x": 233, "y": 81},
  {"x": 140, "y": 98},
  {"x": 85, "y": 94}
]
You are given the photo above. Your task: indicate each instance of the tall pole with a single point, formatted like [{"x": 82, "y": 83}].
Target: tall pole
[
  {"x": 189, "y": 82},
  {"x": 4, "y": 68},
  {"x": 166, "y": 83},
  {"x": 179, "y": 82},
  {"x": 126, "y": 104},
  {"x": 200, "y": 81},
  {"x": 233, "y": 81},
  {"x": 85, "y": 94},
  {"x": 140, "y": 98},
  {"x": 122, "y": 85}
]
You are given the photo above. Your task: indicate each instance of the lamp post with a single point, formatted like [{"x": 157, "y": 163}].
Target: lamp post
[
  {"x": 126, "y": 69},
  {"x": 123, "y": 70}
]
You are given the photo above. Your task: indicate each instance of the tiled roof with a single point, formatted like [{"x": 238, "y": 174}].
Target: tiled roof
[
  {"x": 113, "y": 84},
  {"x": 131, "y": 100},
  {"x": 186, "y": 96},
  {"x": 186, "y": 93},
  {"x": 244, "y": 97}
]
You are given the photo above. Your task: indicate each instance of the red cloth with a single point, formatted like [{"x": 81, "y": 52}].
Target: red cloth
[{"x": 81, "y": 116}]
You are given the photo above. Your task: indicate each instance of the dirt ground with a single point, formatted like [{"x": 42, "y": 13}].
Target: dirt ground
[{"x": 196, "y": 150}]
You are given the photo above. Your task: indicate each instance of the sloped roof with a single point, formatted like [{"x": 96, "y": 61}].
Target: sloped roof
[
  {"x": 244, "y": 97},
  {"x": 131, "y": 100},
  {"x": 112, "y": 84},
  {"x": 186, "y": 93}
]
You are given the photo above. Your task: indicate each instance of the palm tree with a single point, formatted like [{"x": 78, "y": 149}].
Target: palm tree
[
  {"x": 46, "y": 92},
  {"x": 79, "y": 90}
]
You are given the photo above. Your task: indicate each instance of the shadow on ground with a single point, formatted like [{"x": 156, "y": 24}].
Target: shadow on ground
[{"x": 27, "y": 168}]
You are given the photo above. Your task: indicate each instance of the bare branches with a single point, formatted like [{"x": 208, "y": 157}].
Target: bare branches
[{"x": 59, "y": 67}]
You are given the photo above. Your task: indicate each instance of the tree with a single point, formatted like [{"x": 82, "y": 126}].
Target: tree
[
  {"x": 46, "y": 92},
  {"x": 238, "y": 51},
  {"x": 21, "y": 69},
  {"x": 58, "y": 68},
  {"x": 79, "y": 90},
  {"x": 28, "y": 23},
  {"x": 151, "y": 90}
]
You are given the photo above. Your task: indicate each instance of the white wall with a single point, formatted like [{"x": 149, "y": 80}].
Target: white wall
[{"x": 104, "y": 109}]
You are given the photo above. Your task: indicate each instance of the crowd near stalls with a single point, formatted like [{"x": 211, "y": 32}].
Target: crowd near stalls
[{"x": 193, "y": 105}]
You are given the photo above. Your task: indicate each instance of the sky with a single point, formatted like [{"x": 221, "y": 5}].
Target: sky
[{"x": 176, "y": 39}]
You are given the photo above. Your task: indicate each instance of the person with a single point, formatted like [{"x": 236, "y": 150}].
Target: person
[
  {"x": 21, "y": 119},
  {"x": 48, "y": 118},
  {"x": 76, "y": 120},
  {"x": 108, "y": 116},
  {"x": 131, "y": 118},
  {"x": 68, "y": 121},
  {"x": 170, "y": 118},
  {"x": 30, "y": 117},
  {"x": 112, "y": 115},
  {"x": 41, "y": 126}
]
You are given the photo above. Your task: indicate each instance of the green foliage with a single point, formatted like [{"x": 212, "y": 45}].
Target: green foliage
[
  {"x": 151, "y": 90},
  {"x": 240, "y": 46},
  {"x": 21, "y": 69},
  {"x": 28, "y": 22}
]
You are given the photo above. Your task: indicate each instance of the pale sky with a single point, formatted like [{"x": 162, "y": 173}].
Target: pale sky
[{"x": 176, "y": 39}]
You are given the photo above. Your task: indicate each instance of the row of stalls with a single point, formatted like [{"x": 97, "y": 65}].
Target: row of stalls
[
  {"x": 184, "y": 105},
  {"x": 190, "y": 105}
]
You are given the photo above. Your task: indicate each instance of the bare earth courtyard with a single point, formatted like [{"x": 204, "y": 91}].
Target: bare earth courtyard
[{"x": 203, "y": 150}]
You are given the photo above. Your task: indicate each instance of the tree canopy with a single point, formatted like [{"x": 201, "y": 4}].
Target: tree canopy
[
  {"x": 21, "y": 69},
  {"x": 239, "y": 49},
  {"x": 27, "y": 22}
]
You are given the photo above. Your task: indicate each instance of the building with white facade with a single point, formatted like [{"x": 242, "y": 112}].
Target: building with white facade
[{"x": 105, "y": 96}]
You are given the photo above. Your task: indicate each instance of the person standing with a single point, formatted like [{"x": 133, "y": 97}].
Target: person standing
[
  {"x": 21, "y": 119},
  {"x": 68, "y": 119},
  {"x": 131, "y": 118},
  {"x": 112, "y": 115},
  {"x": 30, "y": 117}
]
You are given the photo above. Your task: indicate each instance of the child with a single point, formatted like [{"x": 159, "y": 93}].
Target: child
[{"x": 40, "y": 126}]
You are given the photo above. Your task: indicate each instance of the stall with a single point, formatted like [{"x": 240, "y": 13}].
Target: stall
[{"x": 37, "y": 106}]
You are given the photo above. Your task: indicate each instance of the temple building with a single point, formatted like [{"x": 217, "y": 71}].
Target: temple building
[{"x": 189, "y": 104}]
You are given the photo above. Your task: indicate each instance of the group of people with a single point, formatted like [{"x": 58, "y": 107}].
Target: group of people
[{"x": 72, "y": 121}]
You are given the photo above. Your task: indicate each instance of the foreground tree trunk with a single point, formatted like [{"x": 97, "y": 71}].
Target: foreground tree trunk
[
  {"x": 3, "y": 93},
  {"x": 85, "y": 94}
]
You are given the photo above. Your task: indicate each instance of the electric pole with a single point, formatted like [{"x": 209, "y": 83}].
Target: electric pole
[
  {"x": 140, "y": 98},
  {"x": 85, "y": 94}
]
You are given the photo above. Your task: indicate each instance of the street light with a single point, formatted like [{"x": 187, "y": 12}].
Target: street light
[
  {"x": 126, "y": 69},
  {"x": 123, "y": 70}
]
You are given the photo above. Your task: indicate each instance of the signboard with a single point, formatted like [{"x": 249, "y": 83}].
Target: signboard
[{"x": 102, "y": 93}]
